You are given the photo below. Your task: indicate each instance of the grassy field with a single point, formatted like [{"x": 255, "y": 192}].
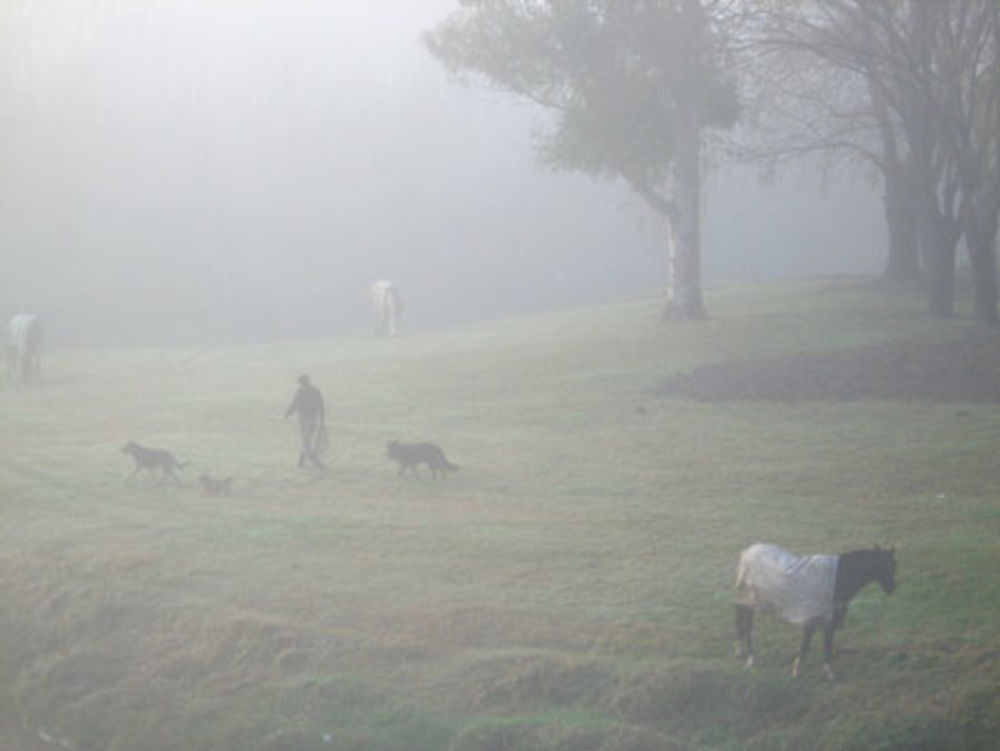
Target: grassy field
[{"x": 568, "y": 588}]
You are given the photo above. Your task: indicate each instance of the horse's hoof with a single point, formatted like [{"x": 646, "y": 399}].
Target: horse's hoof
[
  {"x": 828, "y": 673},
  {"x": 749, "y": 663}
]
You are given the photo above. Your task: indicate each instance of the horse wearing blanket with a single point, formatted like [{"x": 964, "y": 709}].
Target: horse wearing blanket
[
  {"x": 810, "y": 590},
  {"x": 24, "y": 340},
  {"x": 386, "y": 306}
]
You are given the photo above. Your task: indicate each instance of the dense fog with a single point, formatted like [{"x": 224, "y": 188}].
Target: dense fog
[{"x": 205, "y": 171}]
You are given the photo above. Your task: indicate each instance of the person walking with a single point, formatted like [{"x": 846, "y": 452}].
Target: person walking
[{"x": 308, "y": 402}]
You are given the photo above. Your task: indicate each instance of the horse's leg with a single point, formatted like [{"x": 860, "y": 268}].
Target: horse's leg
[
  {"x": 744, "y": 633},
  {"x": 740, "y": 644},
  {"x": 807, "y": 635},
  {"x": 828, "y": 631}
]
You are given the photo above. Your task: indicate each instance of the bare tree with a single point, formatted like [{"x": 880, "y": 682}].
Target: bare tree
[
  {"x": 918, "y": 98},
  {"x": 632, "y": 85}
]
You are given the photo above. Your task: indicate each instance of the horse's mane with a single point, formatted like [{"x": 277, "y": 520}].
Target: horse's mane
[{"x": 868, "y": 555}]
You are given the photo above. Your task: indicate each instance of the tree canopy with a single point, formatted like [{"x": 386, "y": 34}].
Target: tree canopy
[{"x": 631, "y": 85}]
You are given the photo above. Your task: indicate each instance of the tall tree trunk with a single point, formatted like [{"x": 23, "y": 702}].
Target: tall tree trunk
[
  {"x": 938, "y": 239},
  {"x": 984, "y": 270},
  {"x": 939, "y": 247},
  {"x": 903, "y": 262},
  {"x": 986, "y": 204},
  {"x": 981, "y": 239},
  {"x": 941, "y": 282},
  {"x": 685, "y": 296}
]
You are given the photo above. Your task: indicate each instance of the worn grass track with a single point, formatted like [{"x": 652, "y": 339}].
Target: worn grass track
[{"x": 568, "y": 588}]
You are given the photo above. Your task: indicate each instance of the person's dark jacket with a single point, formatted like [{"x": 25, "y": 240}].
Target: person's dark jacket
[{"x": 308, "y": 402}]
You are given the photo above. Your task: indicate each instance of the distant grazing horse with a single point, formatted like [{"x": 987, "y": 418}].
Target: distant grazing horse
[
  {"x": 24, "y": 340},
  {"x": 809, "y": 590},
  {"x": 386, "y": 306}
]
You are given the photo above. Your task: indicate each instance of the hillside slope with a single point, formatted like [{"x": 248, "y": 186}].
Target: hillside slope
[{"x": 568, "y": 588}]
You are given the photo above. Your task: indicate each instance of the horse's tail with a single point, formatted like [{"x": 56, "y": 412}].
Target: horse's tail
[
  {"x": 742, "y": 583},
  {"x": 741, "y": 575}
]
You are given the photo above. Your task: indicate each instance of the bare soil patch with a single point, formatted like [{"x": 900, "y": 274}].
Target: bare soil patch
[{"x": 964, "y": 369}]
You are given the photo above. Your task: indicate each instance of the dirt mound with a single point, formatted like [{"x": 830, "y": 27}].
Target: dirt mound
[{"x": 964, "y": 369}]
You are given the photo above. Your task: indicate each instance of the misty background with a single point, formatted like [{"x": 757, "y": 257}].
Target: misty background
[{"x": 204, "y": 172}]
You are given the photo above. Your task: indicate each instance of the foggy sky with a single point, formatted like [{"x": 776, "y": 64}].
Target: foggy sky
[{"x": 219, "y": 170}]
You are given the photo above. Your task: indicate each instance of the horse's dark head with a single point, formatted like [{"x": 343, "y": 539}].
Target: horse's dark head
[{"x": 884, "y": 568}]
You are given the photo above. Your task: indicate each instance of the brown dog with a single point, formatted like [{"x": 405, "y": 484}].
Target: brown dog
[
  {"x": 214, "y": 486},
  {"x": 151, "y": 459},
  {"x": 409, "y": 455}
]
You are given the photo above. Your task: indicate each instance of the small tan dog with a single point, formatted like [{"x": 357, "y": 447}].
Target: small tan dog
[{"x": 214, "y": 486}]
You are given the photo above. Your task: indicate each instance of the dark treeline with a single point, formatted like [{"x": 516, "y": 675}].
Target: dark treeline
[{"x": 914, "y": 88}]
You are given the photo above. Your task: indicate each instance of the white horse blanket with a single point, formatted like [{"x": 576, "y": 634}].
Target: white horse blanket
[
  {"x": 24, "y": 339},
  {"x": 386, "y": 306},
  {"x": 796, "y": 588}
]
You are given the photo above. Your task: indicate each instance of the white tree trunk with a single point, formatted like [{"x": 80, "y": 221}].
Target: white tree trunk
[{"x": 684, "y": 300}]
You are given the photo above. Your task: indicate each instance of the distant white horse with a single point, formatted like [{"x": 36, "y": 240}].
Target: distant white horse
[
  {"x": 386, "y": 306},
  {"x": 24, "y": 340}
]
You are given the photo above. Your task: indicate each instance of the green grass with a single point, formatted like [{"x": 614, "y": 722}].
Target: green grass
[{"x": 567, "y": 589}]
